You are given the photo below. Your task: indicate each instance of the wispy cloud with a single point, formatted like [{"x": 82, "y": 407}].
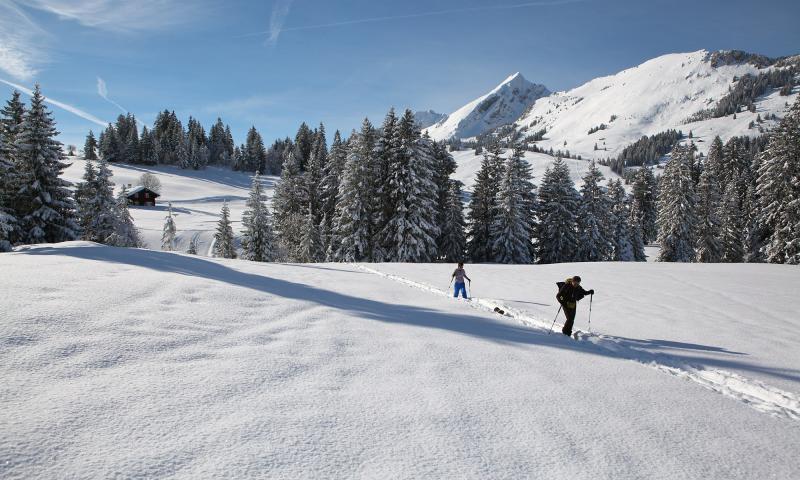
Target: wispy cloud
[
  {"x": 23, "y": 43},
  {"x": 121, "y": 15},
  {"x": 273, "y": 34},
  {"x": 102, "y": 90},
  {"x": 74, "y": 110},
  {"x": 20, "y": 42},
  {"x": 280, "y": 10}
]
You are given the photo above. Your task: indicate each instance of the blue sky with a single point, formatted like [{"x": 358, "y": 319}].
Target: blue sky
[{"x": 273, "y": 64}]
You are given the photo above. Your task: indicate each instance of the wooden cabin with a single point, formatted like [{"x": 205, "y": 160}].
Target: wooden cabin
[{"x": 142, "y": 197}]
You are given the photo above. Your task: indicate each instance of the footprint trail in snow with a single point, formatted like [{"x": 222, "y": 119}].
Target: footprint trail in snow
[{"x": 758, "y": 395}]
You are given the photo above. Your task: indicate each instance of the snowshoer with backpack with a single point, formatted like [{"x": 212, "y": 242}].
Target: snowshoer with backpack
[
  {"x": 569, "y": 294},
  {"x": 459, "y": 274}
]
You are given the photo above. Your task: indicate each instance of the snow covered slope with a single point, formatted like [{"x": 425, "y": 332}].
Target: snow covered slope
[
  {"x": 503, "y": 105},
  {"x": 658, "y": 95},
  {"x": 196, "y": 196},
  {"x": 136, "y": 363}
]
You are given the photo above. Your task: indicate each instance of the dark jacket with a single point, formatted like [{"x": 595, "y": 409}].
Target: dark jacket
[{"x": 568, "y": 294}]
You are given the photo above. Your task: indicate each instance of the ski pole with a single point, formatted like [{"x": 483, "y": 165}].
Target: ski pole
[
  {"x": 591, "y": 297},
  {"x": 554, "y": 320}
]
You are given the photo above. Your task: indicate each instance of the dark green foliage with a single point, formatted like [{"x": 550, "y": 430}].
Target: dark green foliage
[{"x": 646, "y": 150}]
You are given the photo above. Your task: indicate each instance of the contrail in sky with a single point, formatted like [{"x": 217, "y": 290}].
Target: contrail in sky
[
  {"x": 413, "y": 15},
  {"x": 102, "y": 90},
  {"x": 64, "y": 106}
]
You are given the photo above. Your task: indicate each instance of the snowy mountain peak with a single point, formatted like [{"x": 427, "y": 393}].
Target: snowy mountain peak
[
  {"x": 502, "y": 105},
  {"x": 515, "y": 79},
  {"x": 601, "y": 117},
  {"x": 427, "y": 118}
]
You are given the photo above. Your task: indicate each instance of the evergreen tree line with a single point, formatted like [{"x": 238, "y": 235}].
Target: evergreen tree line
[
  {"x": 383, "y": 194},
  {"x": 741, "y": 204},
  {"x": 507, "y": 136},
  {"x": 167, "y": 143},
  {"x": 645, "y": 151},
  {"x": 747, "y": 89},
  {"x": 510, "y": 222}
]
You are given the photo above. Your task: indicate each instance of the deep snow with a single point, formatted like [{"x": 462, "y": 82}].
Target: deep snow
[{"x": 137, "y": 363}]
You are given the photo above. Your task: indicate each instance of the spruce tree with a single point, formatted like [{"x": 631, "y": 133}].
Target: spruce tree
[
  {"x": 482, "y": 205},
  {"x": 109, "y": 145},
  {"x": 7, "y": 219},
  {"x": 193, "y": 244},
  {"x": 353, "y": 225},
  {"x": 218, "y": 144},
  {"x": 90, "y": 147},
  {"x": 304, "y": 140},
  {"x": 258, "y": 241},
  {"x": 315, "y": 175},
  {"x": 105, "y": 205},
  {"x": 622, "y": 248},
  {"x": 168, "y": 232},
  {"x": 147, "y": 148},
  {"x": 44, "y": 204},
  {"x": 556, "y": 236},
  {"x": 254, "y": 154},
  {"x": 676, "y": 208},
  {"x": 330, "y": 189},
  {"x": 410, "y": 233},
  {"x": 386, "y": 154},
  {"x": 125, "y": 232},
  {"x": 453, "y": 240},
  {"x": 643, "y": 203},
  {"x": 310, "y": 247},
  {"x": 732, "y": 228},
  {"x": 132, "y": 153},
  {"x": 182, "y": 154},
  {"x": 778, "y": 190},
  {"x": 290, "y": 205},
  {"x": 444, "y": 167},
  {"x": 715, "y": 165},
  {"x": 511, "y": 229},
  {"x": 708, "y": 247},
  {"x": 11, "y": 117},
  {"x": 84, "y": 200},
  {"x": 223, "y": 238},
  {"x": 637, "y": 240},
  {"x": 595, "y": 234}
]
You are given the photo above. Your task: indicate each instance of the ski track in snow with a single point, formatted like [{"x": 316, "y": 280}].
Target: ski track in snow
[{"x": 761, "y": 397}]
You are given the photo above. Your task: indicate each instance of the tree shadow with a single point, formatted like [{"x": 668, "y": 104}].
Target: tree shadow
[
  {"x": 671, "y": 345},
  {"x": 211, "y": 174},
  {"x": 481, "y": 327}
]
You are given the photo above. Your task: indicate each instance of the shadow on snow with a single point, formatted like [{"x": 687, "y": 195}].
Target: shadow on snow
[{"x": 472, "y": 325}]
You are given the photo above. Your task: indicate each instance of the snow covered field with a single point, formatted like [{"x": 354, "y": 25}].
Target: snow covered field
[
  {"x": 137, "y": 363},
  {"x": 196, "y": 195}
]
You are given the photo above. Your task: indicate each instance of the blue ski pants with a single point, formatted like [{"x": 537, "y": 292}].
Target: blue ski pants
[{"x": 460, "y": 287}]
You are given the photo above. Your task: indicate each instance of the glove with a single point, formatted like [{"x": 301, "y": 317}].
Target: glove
[{"x": 591, "y": 292}]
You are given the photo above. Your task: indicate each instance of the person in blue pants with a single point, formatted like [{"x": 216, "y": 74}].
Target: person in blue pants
[{"x": 459, "y": 274}]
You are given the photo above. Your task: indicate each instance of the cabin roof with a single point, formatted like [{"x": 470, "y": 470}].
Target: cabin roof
[{"x": 140, "y": 188}]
